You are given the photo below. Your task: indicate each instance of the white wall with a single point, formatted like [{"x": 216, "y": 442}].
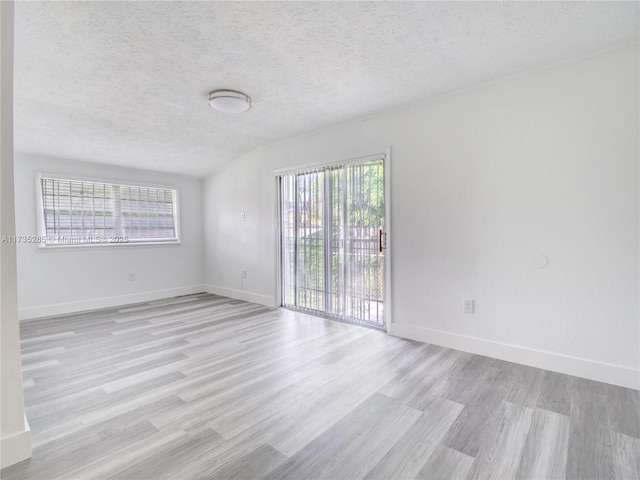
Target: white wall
[
  {"x": 15, "y": 437},
  {"x": 61, "y": 280},
  {"x": 544, "y": 163}
]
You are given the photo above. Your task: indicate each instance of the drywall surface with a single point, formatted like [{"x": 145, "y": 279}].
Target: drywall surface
[
  {"x": 15, "y": 437},
  {"x": 487, "y": 185},
  {"x": 60, "y": 280}
]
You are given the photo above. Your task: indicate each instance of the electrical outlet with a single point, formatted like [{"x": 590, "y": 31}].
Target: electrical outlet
[
  {"x": 132, "y": 277},
  {"x": 243, "y": 216},
  {"x": 243, "y": 274},
  {"x": 468, "y": 306}
]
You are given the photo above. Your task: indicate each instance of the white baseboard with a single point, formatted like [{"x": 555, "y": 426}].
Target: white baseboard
[
  {"x": 242, "y": 295},
  {"x": 579, "y": 367},
  {"x": 105, "y": 302},
  {"x": 16, "y": 447}
]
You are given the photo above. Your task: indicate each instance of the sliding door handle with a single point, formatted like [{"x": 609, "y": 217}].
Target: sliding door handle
[{"x": 382, "y": 241}]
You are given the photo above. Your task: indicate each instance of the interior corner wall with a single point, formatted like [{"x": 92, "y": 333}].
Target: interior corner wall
[
  {"x": 69, "y": 279},
  {"x": 485, "y": 184}
]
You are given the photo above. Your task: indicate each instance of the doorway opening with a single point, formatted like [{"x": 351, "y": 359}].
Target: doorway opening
[{"x": 333, "y": 240}]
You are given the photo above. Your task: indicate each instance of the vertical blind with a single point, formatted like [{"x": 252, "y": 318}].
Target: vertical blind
[
  {"x": 332, "y": 224},
  {"x": 79, "y": 212}
]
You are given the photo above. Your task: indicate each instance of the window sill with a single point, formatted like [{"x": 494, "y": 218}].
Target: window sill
[{"x": 107, "y": 245}]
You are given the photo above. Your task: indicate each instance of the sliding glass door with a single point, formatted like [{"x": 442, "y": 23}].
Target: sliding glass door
[{"x": 333, "y": 240}]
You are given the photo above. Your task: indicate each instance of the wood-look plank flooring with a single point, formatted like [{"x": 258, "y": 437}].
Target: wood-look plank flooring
[{"x": 205, "y": 386}]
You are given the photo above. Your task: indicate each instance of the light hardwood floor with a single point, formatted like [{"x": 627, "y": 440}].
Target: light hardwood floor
[{"x": 205, "y": 386}]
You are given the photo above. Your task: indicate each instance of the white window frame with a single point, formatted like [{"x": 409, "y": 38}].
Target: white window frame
[{"x": 118, "y": 239}]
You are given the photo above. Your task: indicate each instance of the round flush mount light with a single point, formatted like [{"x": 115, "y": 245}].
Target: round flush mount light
[{"x": 229, "y": 101}]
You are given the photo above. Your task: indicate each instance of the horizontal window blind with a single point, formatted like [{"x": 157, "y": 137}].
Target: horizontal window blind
[{"x": 79, "y": 212}]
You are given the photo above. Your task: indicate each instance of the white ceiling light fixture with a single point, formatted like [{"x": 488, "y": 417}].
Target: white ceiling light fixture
[{"x": 229, "y": 101}]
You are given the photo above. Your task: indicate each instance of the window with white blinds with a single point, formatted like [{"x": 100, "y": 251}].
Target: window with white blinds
[{"x": 79, "y": 212}]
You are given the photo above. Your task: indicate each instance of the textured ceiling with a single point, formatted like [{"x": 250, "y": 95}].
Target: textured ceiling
[{"x": 125, "y": 83}]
